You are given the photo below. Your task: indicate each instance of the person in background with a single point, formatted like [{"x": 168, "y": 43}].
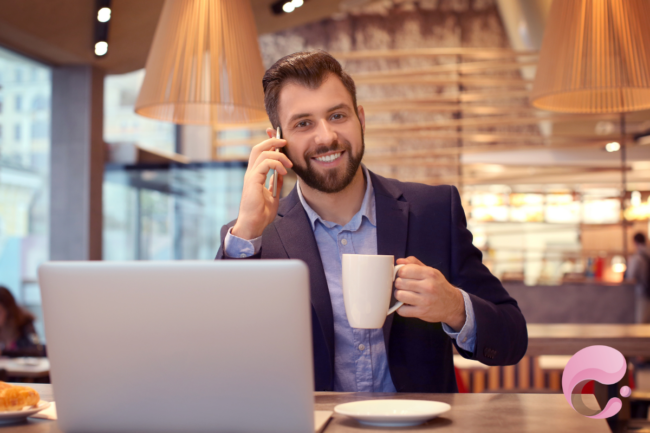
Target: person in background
[
  {"x": 639, "y": 271},
  {"x": 17, "y": 334}
]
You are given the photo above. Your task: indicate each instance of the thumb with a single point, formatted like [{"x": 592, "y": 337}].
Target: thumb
[{"x": 409, "y": 261}]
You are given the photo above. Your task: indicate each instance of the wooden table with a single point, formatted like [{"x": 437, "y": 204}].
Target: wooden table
[
  {"x": 486, "y": 413},
  {"x": 567, "y": 339}
]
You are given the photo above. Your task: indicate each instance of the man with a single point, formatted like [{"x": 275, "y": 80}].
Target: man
[
  {"x": 639, "y": 271},
  {"x": 339, "y": 207}
]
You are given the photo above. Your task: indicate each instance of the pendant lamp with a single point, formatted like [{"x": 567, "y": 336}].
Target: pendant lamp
[
  {"x": 595, "y": 57},
  {"x": 204, "y": 66}
]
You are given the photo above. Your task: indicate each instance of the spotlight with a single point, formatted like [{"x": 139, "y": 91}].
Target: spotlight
[
  {"x": 614, "y": 146},
  {"x": 101, "y": 20},
  {"x": 101, "y": 48},
  {"x": 286, "y": 6},
  {"x": 104, "y": 15}
]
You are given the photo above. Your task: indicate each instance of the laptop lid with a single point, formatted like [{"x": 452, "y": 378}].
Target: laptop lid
[{"x": 219, "y": 346}]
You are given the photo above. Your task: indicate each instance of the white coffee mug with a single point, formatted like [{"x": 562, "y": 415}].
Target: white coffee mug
[{"x": 367, "y": 285}]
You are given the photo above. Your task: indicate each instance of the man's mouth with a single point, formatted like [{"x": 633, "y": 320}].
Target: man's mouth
[{"x": 330, "y": 157}]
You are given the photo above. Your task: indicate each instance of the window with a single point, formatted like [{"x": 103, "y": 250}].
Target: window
[
  {"x": 24, "y": 183},
  {"x": 40, "y": 130},
  {"x": 122, "y": 125}
]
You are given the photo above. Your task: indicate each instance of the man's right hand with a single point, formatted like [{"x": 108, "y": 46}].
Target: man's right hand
[{"x": 258, "y": 208}]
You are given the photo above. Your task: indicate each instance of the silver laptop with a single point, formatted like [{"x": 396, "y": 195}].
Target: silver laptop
[{"x": 180, "y": 346}]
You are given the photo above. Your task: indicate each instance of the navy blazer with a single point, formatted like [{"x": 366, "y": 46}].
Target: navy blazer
[{"x": 427, "y": 222}]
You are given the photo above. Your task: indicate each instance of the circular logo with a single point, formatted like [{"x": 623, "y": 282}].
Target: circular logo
[{"x": 602, "y": 364}]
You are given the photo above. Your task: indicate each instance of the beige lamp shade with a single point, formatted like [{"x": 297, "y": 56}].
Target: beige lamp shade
[
  {"x": 205, "y": 65},
  {"x": 595, "y": 57}
]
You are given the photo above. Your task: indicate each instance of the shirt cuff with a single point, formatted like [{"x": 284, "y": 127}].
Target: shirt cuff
[
  {"x": 241, "y": 248},
  {"x": 466, "y": 338}
]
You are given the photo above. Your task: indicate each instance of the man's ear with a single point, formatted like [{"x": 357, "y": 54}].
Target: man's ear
[
  {"x": 362, "y": 118},
  {"x": 270, "y": 132}
]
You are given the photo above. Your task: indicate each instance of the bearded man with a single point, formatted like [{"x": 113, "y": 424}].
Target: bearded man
[{"x": 340, "y": 207}]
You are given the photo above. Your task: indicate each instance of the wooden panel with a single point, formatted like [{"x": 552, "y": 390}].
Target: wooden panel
[
  {"x": 478, "y": 382},
  {"x": 524, "y": 373},
  {"x": 509, "y": 377},
  {"x": 494, "y": 378}
]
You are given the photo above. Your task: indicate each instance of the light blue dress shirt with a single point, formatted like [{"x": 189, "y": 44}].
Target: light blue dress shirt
[{"x": 360, "y": 359}]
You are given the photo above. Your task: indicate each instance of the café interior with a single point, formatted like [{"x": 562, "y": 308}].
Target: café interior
[{"x": 537, "y": 111}]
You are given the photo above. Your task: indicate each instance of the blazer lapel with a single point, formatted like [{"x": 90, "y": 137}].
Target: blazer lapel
[
  {"x": 392, "y": 229},
  {"x": 297, "y": 236}
]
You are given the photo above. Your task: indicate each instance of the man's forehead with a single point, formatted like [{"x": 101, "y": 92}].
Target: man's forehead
[{"x": 297, "y": 98}]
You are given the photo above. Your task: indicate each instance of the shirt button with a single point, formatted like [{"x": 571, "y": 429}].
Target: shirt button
[
  {"x": 344, "y": 241},
  {"x": 362, "y": 347},
  {"x": 242, "y": 255}
]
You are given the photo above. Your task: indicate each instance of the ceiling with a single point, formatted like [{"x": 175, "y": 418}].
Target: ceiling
[{"x": 60, "y": 32}]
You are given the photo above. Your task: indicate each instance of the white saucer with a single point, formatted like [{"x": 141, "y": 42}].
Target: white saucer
[
  {"x": 20, "y": 415},
  {"x": 392, "y": 413}
]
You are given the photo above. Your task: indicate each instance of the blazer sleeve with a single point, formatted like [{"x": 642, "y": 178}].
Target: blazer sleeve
[
  {"x": 221, "y": 255},
  {"x": 501, "y": 334}
]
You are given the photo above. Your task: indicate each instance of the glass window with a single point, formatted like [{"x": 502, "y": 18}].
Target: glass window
[
  {"x": 19, "y": 103},
  {"x": 122, "y": 125},
  {"x": 164, "y": 213},
  {"x": 24, "y": 181}
]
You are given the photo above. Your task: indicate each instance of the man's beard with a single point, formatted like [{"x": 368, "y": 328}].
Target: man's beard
[{"x": 331, "y": 181}]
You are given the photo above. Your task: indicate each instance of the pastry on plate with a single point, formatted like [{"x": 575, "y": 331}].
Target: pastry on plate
[{"x": 14, "y": 397}]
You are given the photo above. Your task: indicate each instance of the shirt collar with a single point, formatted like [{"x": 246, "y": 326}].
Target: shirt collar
[{"x": 367, "y": 207}]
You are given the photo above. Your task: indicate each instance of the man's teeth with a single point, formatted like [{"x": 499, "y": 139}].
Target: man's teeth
[{"x": 328, "y": 158}]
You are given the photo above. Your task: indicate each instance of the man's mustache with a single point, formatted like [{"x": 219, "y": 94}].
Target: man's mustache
[{"x": 321, "y": 150}]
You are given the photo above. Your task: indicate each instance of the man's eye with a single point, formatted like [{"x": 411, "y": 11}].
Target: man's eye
[
  {"x": 301, "y": 124},
  {"x": 337, "y": 116}
]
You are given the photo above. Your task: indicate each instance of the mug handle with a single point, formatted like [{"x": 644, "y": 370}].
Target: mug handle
[{"x": 397, "y": 304}]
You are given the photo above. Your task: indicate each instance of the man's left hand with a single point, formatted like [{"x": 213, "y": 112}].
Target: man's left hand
[{"x": 427, "y": 295}]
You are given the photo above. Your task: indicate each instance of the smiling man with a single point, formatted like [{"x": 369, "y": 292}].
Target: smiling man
[{"x": 339, "y": 207}]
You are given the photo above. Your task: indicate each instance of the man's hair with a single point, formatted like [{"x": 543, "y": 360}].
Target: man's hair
[
  {"x": 307, "y": 68},
  {"x": 639, "y": 238}
]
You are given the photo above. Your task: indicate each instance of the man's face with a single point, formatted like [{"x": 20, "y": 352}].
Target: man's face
[{"x": 324, "y": 134}]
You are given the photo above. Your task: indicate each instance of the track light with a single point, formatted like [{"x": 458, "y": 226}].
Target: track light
[
  {"x": 104, "y": 15},
  {"x": 614, "y": 146},
  {"x": 102, "y": 20},
  {"x": 286, "y": 6},
  {"x": 101, "y": 48}
]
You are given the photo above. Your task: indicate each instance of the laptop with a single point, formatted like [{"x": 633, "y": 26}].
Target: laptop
[{"x": 189, "y": 346}]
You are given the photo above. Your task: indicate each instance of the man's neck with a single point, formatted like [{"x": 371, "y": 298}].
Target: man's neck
[{"x": 337, "y": 207}]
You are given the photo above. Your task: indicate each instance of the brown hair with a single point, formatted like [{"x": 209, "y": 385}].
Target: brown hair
[
  {"x": 307, "y": 68},
  {"x": 16, "y": 316}
]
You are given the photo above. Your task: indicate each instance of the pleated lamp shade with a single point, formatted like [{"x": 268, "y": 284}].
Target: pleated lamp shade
[
  {"x": 205, "y": 65},
  {"x": 595, "y": 57}
]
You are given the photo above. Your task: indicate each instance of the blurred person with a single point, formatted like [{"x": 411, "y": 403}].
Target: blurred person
[
  {"x": 338, "y": 207},
  {"x": 18, "y": 336},
  {"x": 639, "y": 271}
]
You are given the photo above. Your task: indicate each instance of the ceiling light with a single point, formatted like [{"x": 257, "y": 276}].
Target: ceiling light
[
  {"x": 614, "y": 146},
  {"x": 297, "y": 3},
  {"x": 104, "y": 15},
  {"x": 288, "y": 7},
  {"x": 101, "y": 48}
]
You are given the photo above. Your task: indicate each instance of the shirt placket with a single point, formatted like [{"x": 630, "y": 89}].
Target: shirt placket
[{"x": 363, "y": 361}]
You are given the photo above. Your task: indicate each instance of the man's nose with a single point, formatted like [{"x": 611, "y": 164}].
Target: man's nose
[{"x": 325, "y": 135}]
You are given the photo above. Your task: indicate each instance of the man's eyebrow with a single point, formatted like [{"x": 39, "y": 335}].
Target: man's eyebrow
[{"x": 303, "y": 115}]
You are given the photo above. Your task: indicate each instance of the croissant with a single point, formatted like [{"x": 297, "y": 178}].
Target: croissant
[{"x": 13, "y": 397}]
